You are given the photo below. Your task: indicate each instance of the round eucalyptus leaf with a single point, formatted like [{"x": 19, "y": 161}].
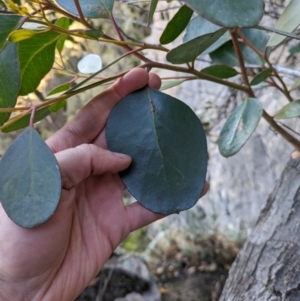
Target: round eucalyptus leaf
[
  {"x": 90, "y": 63},
  {"x": 30, "y": 182},
  {"x": 167, "y": 144},
  {"x": 239, "y": 127},
  {"x": 233, "y": 13},
  {"x": 90, "y": 9}
]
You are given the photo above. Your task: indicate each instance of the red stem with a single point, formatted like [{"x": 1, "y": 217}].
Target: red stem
[
  {"x": 113, "y": 21},
  {"x": 31, "y": 122}
]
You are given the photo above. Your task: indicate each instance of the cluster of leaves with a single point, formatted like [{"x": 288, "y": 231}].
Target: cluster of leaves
[{"x": 228, "y": 31}]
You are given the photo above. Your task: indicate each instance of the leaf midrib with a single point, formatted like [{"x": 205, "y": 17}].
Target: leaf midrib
[{"x": 157, "y": 138}]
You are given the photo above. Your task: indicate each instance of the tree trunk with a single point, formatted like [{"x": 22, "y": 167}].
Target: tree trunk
[{"x": 268, "y": 266}]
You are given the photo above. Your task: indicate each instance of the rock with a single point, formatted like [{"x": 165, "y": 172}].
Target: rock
[
  {"x": 191, "y": 270},
  {"x": 131, "y": 297},
  {"x": 136, "y": 265}
]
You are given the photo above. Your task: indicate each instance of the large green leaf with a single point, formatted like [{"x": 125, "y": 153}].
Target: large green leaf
[
  {"x": 176, "y": 25},
  {"x": 200, "y": 26},
  {"x": 8, "y": 23},
  {"x": 152, "y": 9},
  {"x": 189, "y": 51},
  {"x": 239, "y": 127},
  {"x": 30, "y": 182},
  {"x": 9, "y": 78},
  {"x": 290, "y": 110},
  {"x": 226, "y": 54},
  {"x": 90, "y": 8},
  {"x": 287, "y": 21},
  {"x": 36, "y": 56},
  {"x": 232, "y": 13},
  {"x": 168, "y": 146}
]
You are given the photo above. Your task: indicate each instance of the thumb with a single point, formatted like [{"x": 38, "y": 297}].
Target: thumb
[{"x": 78, "y": 163}]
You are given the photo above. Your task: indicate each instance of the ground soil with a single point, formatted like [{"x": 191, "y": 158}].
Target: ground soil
[{"x": 199, "y": 276}]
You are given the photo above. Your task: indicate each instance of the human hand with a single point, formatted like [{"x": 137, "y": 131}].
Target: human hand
[{"x": 58, "y": 259}]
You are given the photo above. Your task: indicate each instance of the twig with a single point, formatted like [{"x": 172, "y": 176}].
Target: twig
[
  {"x": 198, "y": 74},
  {"x": 281, "y": 131},
  {"x": 240, "y": 58},
  {"x": 266, "y": 116},
  {"x": 31, "y": 122},
  {"x": 103, "y": 289},
  {"x": 81, "y": 16},
  {"x": 289, "y": 128},
  {"x": 279, "y": 69},
  {"x": 117, "y": 29},
  {"x": 265, "y": 57},
  {"x": 52, "y": 6},
  {"x": 250, "y": 45}
]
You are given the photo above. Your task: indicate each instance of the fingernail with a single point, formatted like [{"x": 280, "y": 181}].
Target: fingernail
[{"x": 121, "y": 156}]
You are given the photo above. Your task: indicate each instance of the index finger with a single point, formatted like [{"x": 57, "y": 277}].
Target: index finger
[{"x": 91, "y": 119}]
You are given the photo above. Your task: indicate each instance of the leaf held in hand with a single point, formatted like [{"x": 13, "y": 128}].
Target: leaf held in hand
[
  {"x": 30, "y": 182},
  {"x": 168, "y": 147}
]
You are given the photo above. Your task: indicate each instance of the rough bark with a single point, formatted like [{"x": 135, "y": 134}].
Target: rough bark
[{"x": 268, "y": 266}]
